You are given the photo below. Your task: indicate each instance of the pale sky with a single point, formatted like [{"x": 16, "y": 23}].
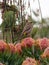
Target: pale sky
[
  {"x": 44, "y": 4},
  {"x": 34, "y": 6},
  {"x": 45, "y": 7}
]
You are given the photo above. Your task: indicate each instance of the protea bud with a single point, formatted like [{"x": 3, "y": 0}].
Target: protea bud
[
  {"x": 3, "y": 46},
  {"x": 29, "y": 61},
  {"x": 46, "y": 53},
  {"x": 12, "y": 47},
  {"x": 18, "y": 48},
  {"x": 1, "y": 64}
]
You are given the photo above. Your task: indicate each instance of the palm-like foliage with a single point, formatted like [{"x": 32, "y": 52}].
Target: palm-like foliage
[{"x": 9, "y": 21}]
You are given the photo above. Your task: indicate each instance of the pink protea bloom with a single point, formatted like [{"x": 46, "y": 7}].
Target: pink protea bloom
[
  {"x": 46, "y": 53},
  {"x": 44, "y": 43},
  {"x": 3, "y": 45},
  {"x": 11, "y": 47},
  {"x": 27, "y": 42},
  {"x": 29, "y": 61},
  {"x": 1, "y": 64},
  {"x": 18, "y": 48}
]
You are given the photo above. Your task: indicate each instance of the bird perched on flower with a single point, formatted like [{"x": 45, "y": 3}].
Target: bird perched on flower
[{"x": 27, "y": 29}]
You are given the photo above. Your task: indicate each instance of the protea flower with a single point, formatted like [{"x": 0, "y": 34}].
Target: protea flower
[
  {"x": 12, "y": 47},
  {"x": 46, "y": 53},
  {"x": 3, "y": 46},
  {"x": 29, "y": 61},
  {"x": 1, "y": 64},
  {"x": 44, "y": 43},
  {"x": 27, "y": 42},
  {"x": 18, "y": 48}
]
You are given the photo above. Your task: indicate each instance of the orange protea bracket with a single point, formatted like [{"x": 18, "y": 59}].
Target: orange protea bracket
[{"x": 38, "y": 42}]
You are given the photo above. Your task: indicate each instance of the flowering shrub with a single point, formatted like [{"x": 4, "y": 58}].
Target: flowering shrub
[{"x": 29, "y": 49}]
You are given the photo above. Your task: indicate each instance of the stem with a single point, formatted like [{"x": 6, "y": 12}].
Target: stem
[
  {"x": 6, "y": 37},
  {"x": 41, "y": 25},
  {"x": 12, "y": 36},
  {"x": 3, "y": 35},
  {"x": 40, "y": 9},
  {"x": 4, "y": 3}
]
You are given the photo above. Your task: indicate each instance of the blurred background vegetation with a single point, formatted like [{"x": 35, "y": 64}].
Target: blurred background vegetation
[{"x": 14, "y": 26}]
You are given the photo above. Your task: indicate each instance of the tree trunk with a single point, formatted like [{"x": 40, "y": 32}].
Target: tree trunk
[{"x": 12, "y": 36}]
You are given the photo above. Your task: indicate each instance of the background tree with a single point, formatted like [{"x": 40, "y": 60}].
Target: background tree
[
  {"x": 9, "y": 21},
  {"x": 20, "y": 14}
]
